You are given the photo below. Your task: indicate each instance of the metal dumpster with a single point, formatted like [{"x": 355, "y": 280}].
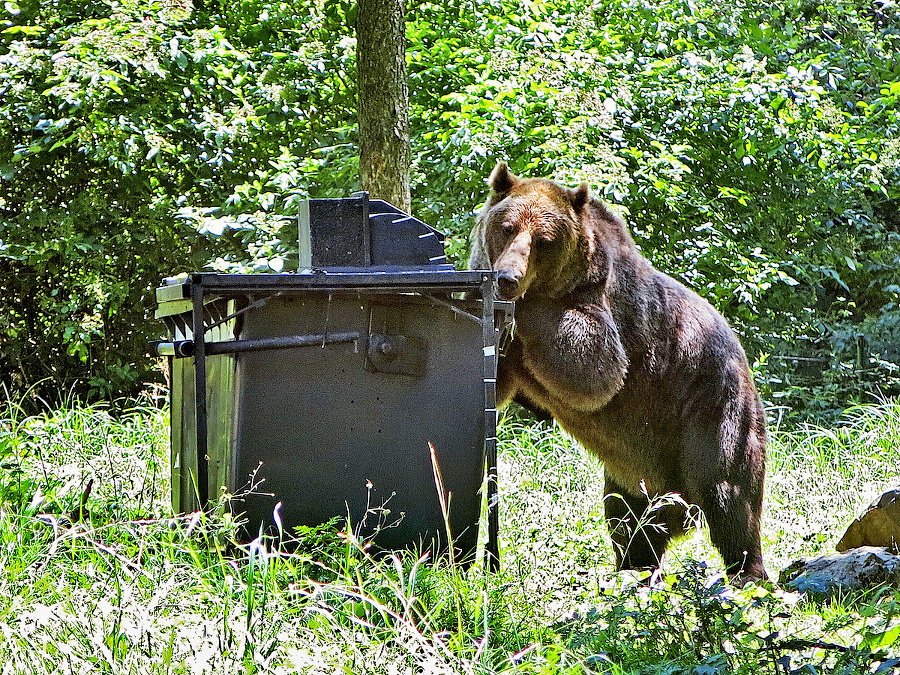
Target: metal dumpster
[{"x": 323, "y": 389}]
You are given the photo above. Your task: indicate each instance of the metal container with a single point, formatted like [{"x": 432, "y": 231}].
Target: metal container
[{"x": 324, "y": 390}]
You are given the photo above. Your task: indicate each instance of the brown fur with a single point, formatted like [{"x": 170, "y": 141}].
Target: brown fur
[{"x": 641, "y": 370}]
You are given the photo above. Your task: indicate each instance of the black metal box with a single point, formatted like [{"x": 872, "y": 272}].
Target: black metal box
[{"x": 323, "y": 390}]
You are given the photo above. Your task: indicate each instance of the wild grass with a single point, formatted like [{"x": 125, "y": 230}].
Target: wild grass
[{"x": 108, "y": 580}]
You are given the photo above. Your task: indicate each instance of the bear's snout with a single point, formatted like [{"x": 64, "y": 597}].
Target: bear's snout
[
  {"x": 508, "y": 284},
  {"x": 512, "y": 267}
]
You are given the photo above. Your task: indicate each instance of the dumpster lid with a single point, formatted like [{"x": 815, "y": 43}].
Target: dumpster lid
[{"x": 368, "y": 280}]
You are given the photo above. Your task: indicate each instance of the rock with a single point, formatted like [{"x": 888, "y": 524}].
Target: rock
[
  {"x": 857, "y": 569},
  {"x": 879, "y": 525}
]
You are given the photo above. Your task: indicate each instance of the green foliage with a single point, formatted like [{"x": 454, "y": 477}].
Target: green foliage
[
  {"x": 87, "y": 193},
  {"x": 128, "y": 587},
  {"x": 119, "y": 118},
  {"x": 53, "y": 462},
  {"x": 754, "y": 148}
]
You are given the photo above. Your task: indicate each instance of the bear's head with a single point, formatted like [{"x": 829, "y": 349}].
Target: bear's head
[{"x": 533, "y": 232}]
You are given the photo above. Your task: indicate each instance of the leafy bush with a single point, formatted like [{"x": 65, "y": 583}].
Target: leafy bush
[
  {"x": 117, "y": 119},
  {"x": 753, "y": 148}
]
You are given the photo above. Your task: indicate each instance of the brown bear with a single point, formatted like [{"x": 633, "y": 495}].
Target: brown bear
[{"x": 638, "y": 368}]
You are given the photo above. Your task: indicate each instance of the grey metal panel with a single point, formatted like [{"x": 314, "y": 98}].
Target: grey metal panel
[
  {"x": 324, "y": 426},
  {"x": 322, "y": 423}
]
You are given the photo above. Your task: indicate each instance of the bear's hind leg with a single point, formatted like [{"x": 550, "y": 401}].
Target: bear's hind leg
[
  {"x": 730, "y": 495},
  {"x": 639, "y": 530},
  {"x": 734, "y": 529}
]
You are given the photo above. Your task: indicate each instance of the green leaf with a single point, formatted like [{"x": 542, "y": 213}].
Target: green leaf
[
  {"x": 28, "y": 31},
  {"x": 879, "y": 640}
]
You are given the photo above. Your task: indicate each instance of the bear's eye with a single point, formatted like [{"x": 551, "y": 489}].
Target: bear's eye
[
  {"x": 509, "y": 227},
  {"x": 543, "y": 242}
]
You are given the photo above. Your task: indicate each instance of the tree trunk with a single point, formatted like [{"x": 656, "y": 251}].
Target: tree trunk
[{"x": 384, "y": 153}]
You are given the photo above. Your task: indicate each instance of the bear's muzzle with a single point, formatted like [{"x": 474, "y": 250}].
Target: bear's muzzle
[{"x": 508, "y": 284}]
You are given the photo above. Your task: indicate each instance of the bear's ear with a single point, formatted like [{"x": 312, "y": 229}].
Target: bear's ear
[
  {"x": 502, "y": 180},
  {"x": 580, "y": 196}
]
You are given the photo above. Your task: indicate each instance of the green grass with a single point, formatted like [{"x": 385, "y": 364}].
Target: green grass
[{"x": 123, "y": 586}]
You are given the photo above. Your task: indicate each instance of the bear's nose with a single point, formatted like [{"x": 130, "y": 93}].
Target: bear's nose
[{"x": 507, "y": 284}]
